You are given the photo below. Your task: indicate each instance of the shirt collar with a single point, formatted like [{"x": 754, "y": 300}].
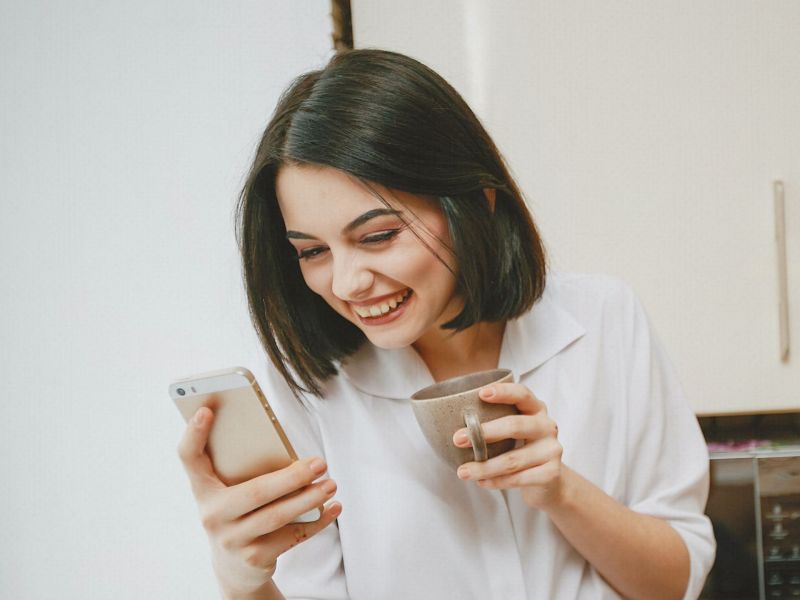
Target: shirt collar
[{"x": 528, "y": 342}]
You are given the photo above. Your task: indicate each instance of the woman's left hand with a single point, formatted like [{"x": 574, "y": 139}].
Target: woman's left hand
[{"x": 534, "y": 466}]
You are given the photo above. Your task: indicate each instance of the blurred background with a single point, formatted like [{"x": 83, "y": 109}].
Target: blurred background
[{"x": 658, "y": 142}]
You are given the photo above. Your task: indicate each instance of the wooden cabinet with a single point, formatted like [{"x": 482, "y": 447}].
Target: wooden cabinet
[{"x": 647, "y": 138}]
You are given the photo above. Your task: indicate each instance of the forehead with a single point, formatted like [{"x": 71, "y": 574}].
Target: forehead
[
  {"x": 315, "y": 196},
  {"x": 305, "y": 188}
]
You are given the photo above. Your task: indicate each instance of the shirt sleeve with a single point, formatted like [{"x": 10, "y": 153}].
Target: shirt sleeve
[
  {"x": 668, "y": 467},
  {"x": 312, "y": 570}
]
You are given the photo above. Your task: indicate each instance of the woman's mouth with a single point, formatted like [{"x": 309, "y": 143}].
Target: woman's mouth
[{"x": 384, "y": 311}]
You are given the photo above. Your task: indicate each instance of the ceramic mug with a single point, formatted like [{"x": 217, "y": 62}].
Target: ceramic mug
[{"x": 445, "y": 407}]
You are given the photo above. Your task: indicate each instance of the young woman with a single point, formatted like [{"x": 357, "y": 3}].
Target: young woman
[{"x": 386, "y": 246}]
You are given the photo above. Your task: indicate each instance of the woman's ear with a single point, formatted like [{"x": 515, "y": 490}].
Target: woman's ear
[{"x": 490, "y": 194}]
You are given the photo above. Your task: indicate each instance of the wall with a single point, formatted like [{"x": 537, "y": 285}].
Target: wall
[
  {"x": 646, "y": 138},
  {"x": 125, "y": 132}
]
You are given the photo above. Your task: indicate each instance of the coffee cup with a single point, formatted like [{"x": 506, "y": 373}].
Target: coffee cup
[{"x": 445, "y": 407}]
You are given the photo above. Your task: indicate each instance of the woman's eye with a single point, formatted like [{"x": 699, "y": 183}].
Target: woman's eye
[
  {"x": 310, "y": 252},
  {"x": 375, "y": 238},
  {"x": 380, "y": 237}
]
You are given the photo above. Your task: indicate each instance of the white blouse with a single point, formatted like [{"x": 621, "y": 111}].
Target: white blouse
[{"x": 411, "y": 529}]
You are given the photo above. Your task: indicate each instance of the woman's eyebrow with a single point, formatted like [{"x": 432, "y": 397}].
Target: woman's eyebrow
[{"x": 354, "y": 224}]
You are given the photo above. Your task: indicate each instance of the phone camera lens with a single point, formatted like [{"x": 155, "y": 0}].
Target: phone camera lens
[{"x": 181, "y": 392}]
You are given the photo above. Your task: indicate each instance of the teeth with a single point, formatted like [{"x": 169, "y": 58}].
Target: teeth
[{"x": 376, "y": 310}]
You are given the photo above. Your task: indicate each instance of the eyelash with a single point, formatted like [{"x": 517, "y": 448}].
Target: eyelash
[{"x": 376, "y": 238}]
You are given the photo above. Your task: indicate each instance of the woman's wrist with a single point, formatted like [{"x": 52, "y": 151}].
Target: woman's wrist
[
  {"x": 253, "y": 585},
  {"x": 265, "y": 590},
  {"x": 268, "y": 591},
  {"x": 561, "y": 499},
  {"x": 575, "y": 494}
]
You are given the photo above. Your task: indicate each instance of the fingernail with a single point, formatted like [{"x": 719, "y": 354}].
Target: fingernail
[
  {"x": 329, "y": 486},
  {"x": 199, "y": 417},
  {"x": 487, "y": 392},
  {"x": 463, "y": 472},
  {"x": 460, "y": 437},
  {"x": 336, "y": 509},
  {"x": 317, "y": 466}
]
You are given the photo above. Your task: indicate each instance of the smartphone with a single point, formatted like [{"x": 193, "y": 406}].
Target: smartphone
[{"x": 246, "y": 439}]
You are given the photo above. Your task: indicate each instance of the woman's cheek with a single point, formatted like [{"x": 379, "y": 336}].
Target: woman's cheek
[{"x": 315, "y": 279}]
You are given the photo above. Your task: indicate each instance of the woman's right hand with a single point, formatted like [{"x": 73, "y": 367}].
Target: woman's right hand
[{"x": 250, "y": 524}]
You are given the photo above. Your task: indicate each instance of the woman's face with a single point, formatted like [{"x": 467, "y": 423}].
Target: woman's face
[{"x": 363, "y": 258}]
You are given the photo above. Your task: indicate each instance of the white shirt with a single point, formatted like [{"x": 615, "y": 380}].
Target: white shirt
[{"x": 411, "y": 529}]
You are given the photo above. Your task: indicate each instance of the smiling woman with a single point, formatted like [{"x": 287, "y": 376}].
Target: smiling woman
[
  {"x": 376, "y": 129},
  {"x": 386, "y": 247}
]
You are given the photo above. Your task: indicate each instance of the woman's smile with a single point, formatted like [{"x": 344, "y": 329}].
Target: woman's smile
[{"x": 385, "y": 311}]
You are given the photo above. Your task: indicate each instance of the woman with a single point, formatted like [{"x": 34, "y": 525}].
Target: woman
[{"x": 385, "y": 247}]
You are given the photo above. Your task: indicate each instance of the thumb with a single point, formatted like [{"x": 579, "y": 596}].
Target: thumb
[{"x": 193, "y": 455}]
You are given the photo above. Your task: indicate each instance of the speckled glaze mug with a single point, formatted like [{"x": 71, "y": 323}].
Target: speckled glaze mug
[{"x": 443, "y": 408}]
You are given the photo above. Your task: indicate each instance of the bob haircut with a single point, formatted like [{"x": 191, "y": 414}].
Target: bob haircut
[{"x": 383, "y": 118}]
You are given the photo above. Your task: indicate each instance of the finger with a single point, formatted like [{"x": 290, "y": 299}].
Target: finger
[
  {"x": 262, "y": 551},
  {"x": 513, "y": 393},
  {"x": 542, "y": 475},
  {"x": 296, "y": 533},
  {"x": 250, "y": 495},
  {"x": 514, "y": 427},
  {"x": 191, "y": 451},
  {"x": 528, "y": 456},
  {"x": 283, "y": 512}
]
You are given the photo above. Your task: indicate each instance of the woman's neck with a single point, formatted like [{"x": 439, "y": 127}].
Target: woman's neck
[{"x": 449, "y": 354}]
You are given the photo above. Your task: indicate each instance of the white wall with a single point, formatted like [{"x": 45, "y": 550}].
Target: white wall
[{"x": 125, "y": 132}]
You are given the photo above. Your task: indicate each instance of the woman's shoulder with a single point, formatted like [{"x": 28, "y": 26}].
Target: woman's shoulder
[
  {"x": 589, "y": 291},
  {"x": 602, "y": 304}
]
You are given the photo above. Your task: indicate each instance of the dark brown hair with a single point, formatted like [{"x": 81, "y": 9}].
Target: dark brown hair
[{"x": 384, "y": 118}]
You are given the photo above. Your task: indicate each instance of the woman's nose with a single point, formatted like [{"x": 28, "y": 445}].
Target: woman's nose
[{"x": 351, "y": 280}]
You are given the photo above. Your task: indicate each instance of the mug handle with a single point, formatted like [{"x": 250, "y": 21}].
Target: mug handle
[{"x": 475, "y": 434}]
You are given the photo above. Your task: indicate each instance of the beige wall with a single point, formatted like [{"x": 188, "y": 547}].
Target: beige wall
[{"x": 646, "y": 137}]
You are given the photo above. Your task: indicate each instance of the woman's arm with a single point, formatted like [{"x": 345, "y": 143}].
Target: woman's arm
[{"x": 639, "y": 555}]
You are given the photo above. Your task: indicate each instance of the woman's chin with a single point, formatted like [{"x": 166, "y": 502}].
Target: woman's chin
[{"x": 389, "y": 342}]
